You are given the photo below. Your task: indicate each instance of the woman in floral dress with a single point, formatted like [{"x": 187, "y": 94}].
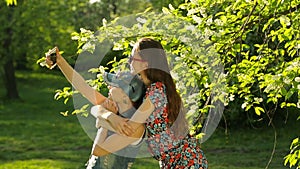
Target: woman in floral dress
[{"x": 167, "y": 130}]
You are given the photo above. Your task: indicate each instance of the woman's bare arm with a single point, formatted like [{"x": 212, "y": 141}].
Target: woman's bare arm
[
  {"x": 78, "y": 82},
  {"x": 115, "y": 142}
]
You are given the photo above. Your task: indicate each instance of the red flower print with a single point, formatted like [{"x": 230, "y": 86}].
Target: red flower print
[
  {"x": 191, "y": 162},
  {"x": 158, "y": 85},
  {"x": 186, "y": 145}
]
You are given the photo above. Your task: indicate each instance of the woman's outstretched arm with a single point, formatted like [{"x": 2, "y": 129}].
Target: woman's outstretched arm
[{"x": 77, "y": 80}]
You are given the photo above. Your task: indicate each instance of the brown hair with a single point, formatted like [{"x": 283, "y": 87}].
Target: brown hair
[{"x": 158, "y": 71}]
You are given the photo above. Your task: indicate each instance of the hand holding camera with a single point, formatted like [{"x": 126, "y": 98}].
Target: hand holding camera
[{"x": 50, "y": 58}]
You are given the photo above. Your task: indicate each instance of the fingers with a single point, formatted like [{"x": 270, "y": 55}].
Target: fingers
[
  {"x": 121, "y": 125},
  {"x": 110, "y": 105},
  {"x": 126, "y": 129},
  {"x": 49, "y": 62}
]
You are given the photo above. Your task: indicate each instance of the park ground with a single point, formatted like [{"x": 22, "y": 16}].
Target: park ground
[{"x": 34, "y": 135}]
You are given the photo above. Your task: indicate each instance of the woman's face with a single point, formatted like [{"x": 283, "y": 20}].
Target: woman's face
[{"x": 137, "y": 64}]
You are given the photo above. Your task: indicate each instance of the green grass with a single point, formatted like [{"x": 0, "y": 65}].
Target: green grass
[
  {"x": 33, "y": 133},
  {"x": 35, "y": 136},
  {"x": 249, "y": 148}
]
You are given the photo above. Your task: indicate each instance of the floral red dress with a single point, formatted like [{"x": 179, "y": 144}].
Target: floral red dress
[{"x": 163, "y": 145}]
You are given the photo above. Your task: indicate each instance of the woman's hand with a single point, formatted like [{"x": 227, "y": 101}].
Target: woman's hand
[
  {"x": 110, "y": 106},
  {"x": 51, "y": 57},
  {"x": 121, "y": 125}
]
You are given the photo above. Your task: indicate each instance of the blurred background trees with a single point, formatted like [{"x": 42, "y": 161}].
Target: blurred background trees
[{"x": 29, "y": 28}]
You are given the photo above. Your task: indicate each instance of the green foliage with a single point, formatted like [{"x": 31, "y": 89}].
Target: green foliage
[
  {"x": 65, "y": 93},
  {"x": 35, "y": 27},
  {"x": 261, "y": 68},
  {"x": 293, "y": 159},
  {"x": 159, "y": 4},
  {"x": 258, "y": 42},
  {"x": 196, "y": 69}
]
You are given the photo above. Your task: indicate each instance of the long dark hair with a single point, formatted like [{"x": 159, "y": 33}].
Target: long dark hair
[{"x": 158, "y": 71}]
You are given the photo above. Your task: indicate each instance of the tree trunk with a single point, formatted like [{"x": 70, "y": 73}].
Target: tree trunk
[
  {"x": 9, "y": 70},
  {"x": 10, "y": 80},
  {"x": 114, "y": 7}
]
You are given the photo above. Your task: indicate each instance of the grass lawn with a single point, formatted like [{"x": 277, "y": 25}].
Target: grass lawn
[{"x": 35, "y": 136}]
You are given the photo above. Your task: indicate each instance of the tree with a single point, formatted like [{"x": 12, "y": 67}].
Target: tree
[
  {"x": 32, "y": 27},
  {"x": 5, "y": 54},
  {"x": 259, "y": 45},
  {"x": 256, "y": 37}
]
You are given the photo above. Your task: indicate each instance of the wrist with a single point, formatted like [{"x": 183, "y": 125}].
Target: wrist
[{"x": 59, "y": 59}]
